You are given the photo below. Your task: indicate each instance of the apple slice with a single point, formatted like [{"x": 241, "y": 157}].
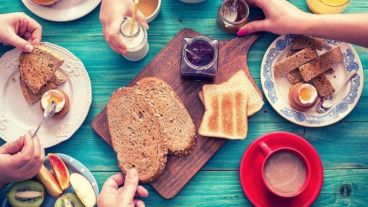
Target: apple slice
[{"x": 60, "y": 171}]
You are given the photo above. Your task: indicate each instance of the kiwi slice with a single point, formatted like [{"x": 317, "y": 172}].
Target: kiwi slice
[
  {"x": 26, "y": 194},
  {"x": 68, "y": 200}
]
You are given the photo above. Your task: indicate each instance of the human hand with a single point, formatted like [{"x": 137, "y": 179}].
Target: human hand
[
  {"x": 20, "y": 30},
  {"x": 21, "y": 159},
  {"x": 281, "y": 17},
  {"x": 114, "y": 196},
  {"x": 111, "y": 16}
]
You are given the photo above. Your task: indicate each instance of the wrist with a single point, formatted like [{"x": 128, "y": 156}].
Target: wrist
[{"x": 302, "y": 23}]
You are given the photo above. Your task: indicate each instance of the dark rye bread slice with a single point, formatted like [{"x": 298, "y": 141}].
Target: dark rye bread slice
[
  {"x": 172, "y": 114},
  {"x": 38, "y": 67},
  {"x": 321, "y": 64},
  {"x": 323, "y": 85},
  {"x": 293, "y": 62},
  {"x": 136, "y": 135},
  {"x": 32, "y": 98}
]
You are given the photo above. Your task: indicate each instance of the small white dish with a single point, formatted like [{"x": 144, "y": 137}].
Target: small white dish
[
  {"x": 276, "y": 89},
  {"x": 153, "y": 16},
  {"x": 64, "y": 10},
  {"x": 17, "y": 116}
]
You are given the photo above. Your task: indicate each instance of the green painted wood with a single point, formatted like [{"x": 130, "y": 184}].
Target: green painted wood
[{"x": 342, "y": 147}]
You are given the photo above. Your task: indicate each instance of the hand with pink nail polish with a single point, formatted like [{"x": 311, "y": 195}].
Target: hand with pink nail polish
[
  {"x": 111, "y": 16},
  {"x": 21, "y": 159},
  {"x": 281, "y": 17},
  {"x": 122, "y": 192},
  {"x": 20, "y": 30}
]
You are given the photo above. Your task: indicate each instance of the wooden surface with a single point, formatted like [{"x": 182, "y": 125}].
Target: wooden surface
[
  {"x": 342, "y": 147},
  {"x": 166, "y": 66}
]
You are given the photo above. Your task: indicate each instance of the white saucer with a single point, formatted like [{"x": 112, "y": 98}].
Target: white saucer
[
  {"x": 17, "y": 116},
  {"x": 64, "y": 10}
]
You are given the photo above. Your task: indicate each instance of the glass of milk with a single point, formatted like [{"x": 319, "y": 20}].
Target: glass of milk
[{"x": 135, "y": 38}]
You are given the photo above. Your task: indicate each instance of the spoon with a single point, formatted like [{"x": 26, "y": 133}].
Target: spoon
[
  {"x": 231, "y": 12},
  {"x": 328, "y": 101},
  {"x": 192, "y": 53},
  {"x": 47, "y": 114},
  {"x": 134, "y": 16}
]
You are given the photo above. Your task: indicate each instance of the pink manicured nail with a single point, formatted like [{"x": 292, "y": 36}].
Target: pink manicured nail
[
  {"x": 242, "y": 32},
  {"x": 28, "y": 48}
]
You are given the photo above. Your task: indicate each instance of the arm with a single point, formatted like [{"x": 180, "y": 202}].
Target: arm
[{"x": 284, "y": 18}]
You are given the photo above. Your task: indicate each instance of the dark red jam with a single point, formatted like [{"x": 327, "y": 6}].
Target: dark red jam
[{"x": 200, "y": 53}]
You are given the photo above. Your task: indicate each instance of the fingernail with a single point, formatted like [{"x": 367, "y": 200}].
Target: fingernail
[
  {"x": 133, "y": 172},
  {"x": 21, "y": 141},
  {"x": 28, "y": 48},
  {"x": 242, "y": 32}
]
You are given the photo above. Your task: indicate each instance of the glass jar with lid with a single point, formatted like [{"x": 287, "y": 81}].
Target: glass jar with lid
[
  {"x": 135, "y": 37},
  {"x": 232, "y": 15}
]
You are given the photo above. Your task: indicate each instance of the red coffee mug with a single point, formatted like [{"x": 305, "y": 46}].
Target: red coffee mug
[{"x": 268, "y": 152}]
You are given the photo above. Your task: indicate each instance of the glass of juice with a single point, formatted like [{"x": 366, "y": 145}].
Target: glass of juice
[{"x": 327, "y": 6}]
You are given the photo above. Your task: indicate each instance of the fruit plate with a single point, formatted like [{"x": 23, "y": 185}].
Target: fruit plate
[
  {"x": 17, "y": 116},
  {"x": 64, "y": 10},
  {"x": 276, "y": 89},
  {"x": 74, "y": 166}
]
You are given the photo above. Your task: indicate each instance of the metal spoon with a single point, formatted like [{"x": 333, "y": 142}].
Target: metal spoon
[
  {"x": 47, "y": 114},
  {"x": 328, "y": 101},
  {"x": 192, "y": 53},
  {"x": 231, "y": 12}
]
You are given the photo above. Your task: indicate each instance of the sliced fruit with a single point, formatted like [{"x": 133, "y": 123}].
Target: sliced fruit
[
  {"x": 68, "y": 200},
  {"x": 49, "y": 181},
  {"x": 60, "y": 170},
  {"x": 26, "y": 194},
  {"x": 83, "y": 189}
]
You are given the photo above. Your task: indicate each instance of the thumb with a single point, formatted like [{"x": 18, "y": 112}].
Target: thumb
[
  {"x": 12, "y": 147},
  {"x": 130, "y": 187},
  {"x": 142, "y": 19},
  {"x": 252, "y": 27},
  {"x": 18, "y": 42}
]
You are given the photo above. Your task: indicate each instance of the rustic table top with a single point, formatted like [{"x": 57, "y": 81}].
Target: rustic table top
[{"x": 342, "y": 146}]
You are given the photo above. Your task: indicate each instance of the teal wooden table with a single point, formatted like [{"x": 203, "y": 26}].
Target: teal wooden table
[{"x": 342, "y": 147}]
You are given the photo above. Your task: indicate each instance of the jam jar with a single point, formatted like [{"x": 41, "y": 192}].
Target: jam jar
[
  {"x": 199, "y": 58},
  {"x": 135, "y": 38},
  {"x": 232, "y": 15}
]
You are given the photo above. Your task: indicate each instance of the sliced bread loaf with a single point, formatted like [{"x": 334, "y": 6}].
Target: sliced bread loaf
[
  {"x": 137, "y": 137},
  {"x": 172, "y": 114},
  {"x": 38, "y": 67}
]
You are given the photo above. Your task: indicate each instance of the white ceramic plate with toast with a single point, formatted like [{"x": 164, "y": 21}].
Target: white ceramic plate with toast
[
  {"x": 63, "y": 10},
  {"x": 17, "y": 116},
  {"x": 276, "y": 89}
]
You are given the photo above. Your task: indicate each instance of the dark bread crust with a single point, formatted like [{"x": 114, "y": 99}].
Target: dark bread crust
[{"x": 136, "y": 135}]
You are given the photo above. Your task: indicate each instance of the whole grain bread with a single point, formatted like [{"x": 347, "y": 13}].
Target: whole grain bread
[
  {"x": 38, "y": 67},
  {"x": 294, "y": 75},
  {"x": 172, "y": 114},
  {"x": 323, "y": 85},
  {"x": 137, "y": 137},
  {"x": 300, "y": 42},
  {"x": 321, "y": 64},
  {"x": 288, "y": 64}
]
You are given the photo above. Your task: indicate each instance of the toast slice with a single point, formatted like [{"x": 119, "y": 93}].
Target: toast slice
[
  {"x": 321, "y": 64},
  {"x": 225, "y": 112},
  {"x": 293, "y": 62},
  {"x": 255, "y": 101},
  {"x": 172, "y": 114},
  {"x": 38, "y": 67},
  {"x": 300, "y": 42},
  {"x": 137, "y": 137},
  {"x": 32, "y": 98},
  {"x": 323, "y": 85}
]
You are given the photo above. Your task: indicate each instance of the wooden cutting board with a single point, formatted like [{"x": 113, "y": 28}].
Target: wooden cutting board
[{"x": 166, "y": 66}]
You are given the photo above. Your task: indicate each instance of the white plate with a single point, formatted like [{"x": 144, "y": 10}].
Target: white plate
[
  {"x": 17, "y": 116},
  {"x": 276, "y": 90},
  {"x": 64, "y": 10}
]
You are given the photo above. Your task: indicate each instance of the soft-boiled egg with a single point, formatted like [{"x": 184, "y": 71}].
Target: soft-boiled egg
[
  {"x": 303, "y": 96},
  {"x": 53, "y": 95}
]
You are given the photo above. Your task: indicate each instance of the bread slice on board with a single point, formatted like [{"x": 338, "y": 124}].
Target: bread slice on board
[
  {"x": 255, "y": 101},
  {"x": 137, "y": 137},
  {"x": 172, "y": 114},
  {"x": 38, "y": 67},
  {"x": 225, "y": 112}
]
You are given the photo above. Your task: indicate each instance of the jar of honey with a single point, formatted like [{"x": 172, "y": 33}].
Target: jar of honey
[
  {"x": 327, "y": 6},
  {"x": 232, "y": 15}
]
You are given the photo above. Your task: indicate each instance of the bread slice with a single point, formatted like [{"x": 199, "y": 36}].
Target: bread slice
[
  {"x": 291, "y": 63},
  {"x": 225, "y": 112},
  {"x": 321, "y": 64},
  {"x": 294, "y": 75},
  {"x": 172, "y": 114},
  {"x": 137, "y": 137},
  {"x": 32, "y": 98},
  {"x": 323, "y": 85},
  {"x": 38, "y": 67},
  {"x": 300, "y": 42},
  {"x": 255, "y": 101}
]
